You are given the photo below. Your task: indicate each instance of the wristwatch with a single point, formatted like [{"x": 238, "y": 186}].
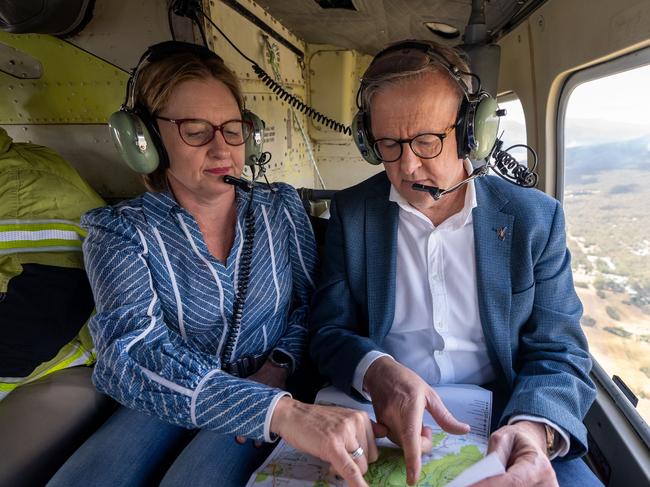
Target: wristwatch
[
  {"x": 281, "y": 359},
  {"x": 550, "y": 440}
]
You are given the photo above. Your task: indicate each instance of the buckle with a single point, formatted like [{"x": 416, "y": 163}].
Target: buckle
[{"x": 245, "y": 366}]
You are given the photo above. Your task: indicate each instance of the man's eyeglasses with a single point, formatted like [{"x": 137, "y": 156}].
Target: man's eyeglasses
[
  {"x": 426, "y": 146},
  {"x": 197, "y": 132}
]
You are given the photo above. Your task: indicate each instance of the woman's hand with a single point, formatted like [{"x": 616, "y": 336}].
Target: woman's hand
[
  {"x": 331, "y": 434},
  {"x": 272, "y": 376}
]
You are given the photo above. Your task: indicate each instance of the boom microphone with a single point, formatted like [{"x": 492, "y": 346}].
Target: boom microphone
[
  {"x": 437, "y": 193},
  {"x": 240, "y": 183}
]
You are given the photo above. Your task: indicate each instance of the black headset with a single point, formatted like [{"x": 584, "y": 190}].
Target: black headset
[
  {"x": 134, "y": 129},
  {"x": 477, "y": 122}
]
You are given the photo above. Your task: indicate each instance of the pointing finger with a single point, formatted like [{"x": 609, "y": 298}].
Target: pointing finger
[
  {"x": 411, "y": 439},
  {"x": 344, "y": 465}
]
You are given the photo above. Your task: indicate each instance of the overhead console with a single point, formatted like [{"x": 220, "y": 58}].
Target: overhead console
[{"x": 55, "y": 17}]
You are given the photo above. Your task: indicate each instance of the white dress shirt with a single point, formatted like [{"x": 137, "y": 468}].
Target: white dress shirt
[{"x": 436, "y": 329}]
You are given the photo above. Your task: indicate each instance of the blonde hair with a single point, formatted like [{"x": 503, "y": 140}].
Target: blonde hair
[{"x": 157, "y": 81}]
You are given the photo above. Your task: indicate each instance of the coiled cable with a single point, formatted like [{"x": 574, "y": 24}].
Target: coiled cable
[
  {"x": 279, "y": 91},
  {"x": 508, "y": 167},
  {"x": 242, "y": 285},
  {"x": 299, "y": 105}
]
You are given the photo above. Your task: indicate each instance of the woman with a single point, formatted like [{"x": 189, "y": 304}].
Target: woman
[{"x": 202, "y": 291}]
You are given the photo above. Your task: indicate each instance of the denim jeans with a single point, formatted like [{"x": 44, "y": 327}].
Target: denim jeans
[
  {"x": 575, "y": 472},
  {"x": 134, "y": 449}
]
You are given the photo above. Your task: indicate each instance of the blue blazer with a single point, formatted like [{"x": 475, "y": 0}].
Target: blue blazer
[{"x": 529, "y": 310}]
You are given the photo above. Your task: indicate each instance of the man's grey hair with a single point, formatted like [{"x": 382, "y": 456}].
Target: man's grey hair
[{"x": 453, "y": 56}]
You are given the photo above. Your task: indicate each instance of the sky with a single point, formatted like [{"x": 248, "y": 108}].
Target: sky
[
  {"x": 622, "y": 97},
  {"x": 607, "y": 109}
]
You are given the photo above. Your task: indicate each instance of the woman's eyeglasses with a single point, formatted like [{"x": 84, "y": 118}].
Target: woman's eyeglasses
[{"x": 196, "y": 132}]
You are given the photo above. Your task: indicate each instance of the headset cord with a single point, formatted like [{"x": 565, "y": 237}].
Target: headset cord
[
  {"x": 242, "y": 284},
  {"x": 296, "y": 103},
  {"x": 278, "y": 90},
  {"x": 508, "y": 168}
]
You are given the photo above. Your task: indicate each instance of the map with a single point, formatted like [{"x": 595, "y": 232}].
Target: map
[
  {"x": 451, "y": 455},
  {"x": 437, "y": 470}
]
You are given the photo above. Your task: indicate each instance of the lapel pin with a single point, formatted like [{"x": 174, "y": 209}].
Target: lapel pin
[{"x": 501, "y": 233}]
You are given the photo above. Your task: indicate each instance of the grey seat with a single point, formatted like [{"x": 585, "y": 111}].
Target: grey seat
[{"x": 44, "y": 422}]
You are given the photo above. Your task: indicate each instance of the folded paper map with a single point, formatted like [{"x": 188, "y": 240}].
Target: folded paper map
[{"x": 454, "y": 461}]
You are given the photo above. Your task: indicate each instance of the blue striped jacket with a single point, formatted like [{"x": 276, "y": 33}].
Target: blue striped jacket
[{"x": 164, "y": 304}]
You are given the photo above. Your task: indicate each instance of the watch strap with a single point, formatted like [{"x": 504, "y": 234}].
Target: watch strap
[{"x": 550, "y": 440}]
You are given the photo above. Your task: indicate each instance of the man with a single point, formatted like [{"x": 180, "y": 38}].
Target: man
[{"x": 474, "y": 287}]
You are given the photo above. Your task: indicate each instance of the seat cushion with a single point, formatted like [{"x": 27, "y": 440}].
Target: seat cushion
[
  {"x": 42, "y": 423},
  {"x": 44, "y": 308}
]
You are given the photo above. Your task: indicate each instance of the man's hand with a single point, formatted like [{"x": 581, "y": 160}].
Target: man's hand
[
  {"x": 399, "y": 397},
  {"x": 522, "y": 449},
  {"x": 272, "y": 376},
  {"x": 331, "y": 434}
]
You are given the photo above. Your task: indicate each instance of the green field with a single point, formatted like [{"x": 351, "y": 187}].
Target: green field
[{"x": 607, "y": 191}]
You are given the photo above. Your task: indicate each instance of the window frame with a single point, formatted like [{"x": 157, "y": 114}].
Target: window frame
[
  {"x": 508, "y": 97},
  {"x": 611, "y": 67}
]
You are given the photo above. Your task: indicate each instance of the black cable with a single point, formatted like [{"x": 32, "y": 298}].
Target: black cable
[
  {"x": 242, "y": 285},
  {"x": 509, "y": 169},
  {"x": 299, "y": 105},
  {"x": 281, "y": 92},
  {"x": 170, "y": 22},
  {"x": 197, "y": 21},
  {"x": 223, "y": 35}
]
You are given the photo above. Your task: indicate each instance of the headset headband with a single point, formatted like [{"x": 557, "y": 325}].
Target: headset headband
[
  {"x": 476, "y": 122},
  {"x": 135, "y": 131},
  {"x": 414, "y": 55},
  {"x": 158, "y": 52}
]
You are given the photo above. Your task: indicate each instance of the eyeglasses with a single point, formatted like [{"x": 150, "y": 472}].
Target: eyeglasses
[
  {"x": 197, "y": 132},
  {"x": 426, "y": 146}
]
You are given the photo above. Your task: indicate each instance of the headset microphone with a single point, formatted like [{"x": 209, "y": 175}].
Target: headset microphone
[
  {"x": 257, "y": 163},
  {"x": 434, "y": 191},
  {"x": 437, "y": 193},
  {"x": 238, "y": 182}
]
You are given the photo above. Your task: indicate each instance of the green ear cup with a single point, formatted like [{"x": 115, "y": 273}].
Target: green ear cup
[
  {"x": 134, "y": 142},
  {"x": 255, "y": 142},
  {"x": 486, "y": 126}
]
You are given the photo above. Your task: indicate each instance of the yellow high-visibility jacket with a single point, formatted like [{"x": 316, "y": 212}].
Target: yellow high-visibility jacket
[{"x": 42, "y": 198}]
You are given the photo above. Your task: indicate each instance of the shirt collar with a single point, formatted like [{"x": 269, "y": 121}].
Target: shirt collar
[{"x": 457, "y": 220}]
